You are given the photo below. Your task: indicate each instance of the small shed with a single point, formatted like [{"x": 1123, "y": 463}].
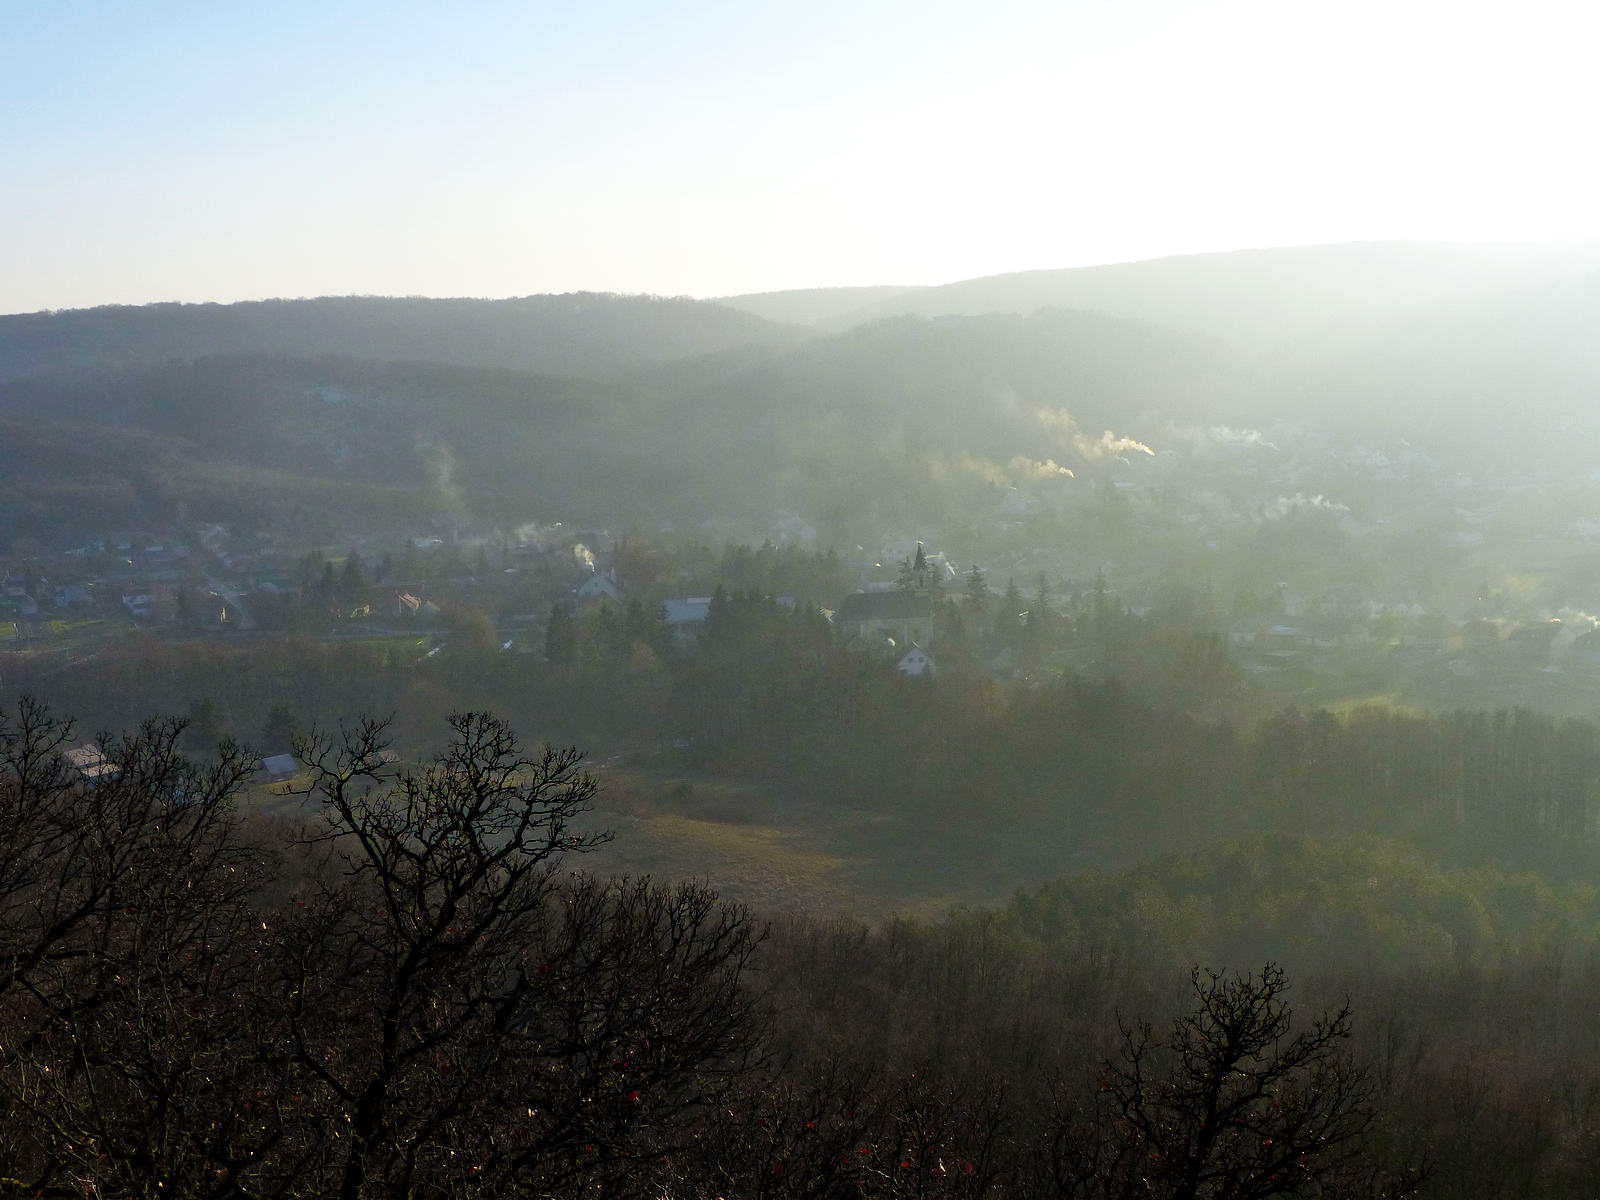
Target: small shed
[{"x": 280, "y": 766}]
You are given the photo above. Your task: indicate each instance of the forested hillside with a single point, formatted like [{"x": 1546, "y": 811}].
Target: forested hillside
[
  {"x": 584, "y": 333},
  {"x": 906, "y": 416},
  {"x": 701, "y": 412}
]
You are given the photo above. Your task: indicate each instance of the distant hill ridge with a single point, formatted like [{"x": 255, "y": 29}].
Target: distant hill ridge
[
  {"x": 1258, "y": 299},
  {"x": 581, "y": 333},
  {"x": 818, "y": 305}
]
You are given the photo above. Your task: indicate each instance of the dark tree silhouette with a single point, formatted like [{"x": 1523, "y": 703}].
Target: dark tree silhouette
[
  {"x": 281, "y": 729},
  {"x": 120, "y": 877},
  {"x": 1233, "y": 1104},
  {"x": 427, "y": 1004},
  {"x": 560, "y": 636},
  {"x": 518, "y": 1027}
]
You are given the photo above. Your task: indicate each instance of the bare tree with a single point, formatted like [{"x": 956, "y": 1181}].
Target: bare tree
[
  {"x": 438, "y": 1008},
  {"x": 1234, "y": 1104},
  {"x": 471, "y": 1013},
  {"x": 119, "y": 873},
  {"x": 77, "y": 846}
]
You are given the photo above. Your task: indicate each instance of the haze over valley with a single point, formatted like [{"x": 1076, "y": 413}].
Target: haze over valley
[{"x": 716, "y": 603}]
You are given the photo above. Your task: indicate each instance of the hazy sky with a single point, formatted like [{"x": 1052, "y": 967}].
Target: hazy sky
[{"x": 226, "y": 150}]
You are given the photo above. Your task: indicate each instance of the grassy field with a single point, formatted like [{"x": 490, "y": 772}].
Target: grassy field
[
  {"x": 771, "y": 852},
  {"x": 774, "y": 852}
]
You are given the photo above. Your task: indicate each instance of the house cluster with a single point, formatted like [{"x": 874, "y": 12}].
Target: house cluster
[
  {"x": 886, "y": 614},
  {"x": 29, "y": 601},
  {"x": 130, "y": 574},
  {"x": 52, "y": 599}
]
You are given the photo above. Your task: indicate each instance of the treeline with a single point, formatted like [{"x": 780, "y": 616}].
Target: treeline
[
  {"x": 1345, "y": 906},
  {"x": 1149, "y": 742}
]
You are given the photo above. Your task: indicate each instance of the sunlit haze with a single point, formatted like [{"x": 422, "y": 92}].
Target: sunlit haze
[{"x": 217, "y": 151}]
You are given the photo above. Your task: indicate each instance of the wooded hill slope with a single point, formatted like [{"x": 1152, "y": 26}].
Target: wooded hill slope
[
  {"x": 873, "y": 417},
  {"x": 583, "y": 333},
  {"x": 616, "y": 409}
]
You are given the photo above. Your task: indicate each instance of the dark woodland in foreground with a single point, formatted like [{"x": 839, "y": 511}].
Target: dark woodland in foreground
[{"x": 416, "y": 991}]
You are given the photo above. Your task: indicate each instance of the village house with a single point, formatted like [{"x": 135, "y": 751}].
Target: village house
[
  {"x": 871, "y": 616},
  {"x": 917, "y": 663},
  {"x": 686, "y": 617},
  {"x": 407, "y": 605},
  {"x": 597, "y": 585},
  {"x": 16, "y": 596}
]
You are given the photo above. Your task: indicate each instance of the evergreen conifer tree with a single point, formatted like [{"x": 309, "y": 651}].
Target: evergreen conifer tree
[
  {"x": 978, "y": 596},
  {"x": 1008, "y": 618},
  {"x": 205, "y": 728},
  {"x": 281, "y": 731},
  {"x": 560, "y": 636},
  {"x": 353, "y": 579}
]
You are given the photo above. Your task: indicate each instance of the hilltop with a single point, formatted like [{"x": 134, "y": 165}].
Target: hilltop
[{"x": 1258, "y": 299}]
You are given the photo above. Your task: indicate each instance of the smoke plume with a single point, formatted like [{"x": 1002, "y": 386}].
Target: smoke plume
[
  {"x": 439, "y": 467},
  {"x": 1091, "y": 449}
]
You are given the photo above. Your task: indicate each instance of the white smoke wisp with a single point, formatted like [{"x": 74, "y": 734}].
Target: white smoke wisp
[
  {"x": 584, "y": 555},
  {"x": 1207, "y": 437},
  {"x": 534, "y": 533},
  {"x": 1283, "y": 506},
  {"x": 1108, "y": 445},
  {"x": 1031, "y": 468},
  {"x": 1226, "y": 435},
  {"x": 439, "y": 466},
  {"x": 1577, "y": 618}
]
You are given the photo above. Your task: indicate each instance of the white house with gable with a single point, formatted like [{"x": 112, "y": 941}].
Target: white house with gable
[{"x": 917, "y": 663}]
